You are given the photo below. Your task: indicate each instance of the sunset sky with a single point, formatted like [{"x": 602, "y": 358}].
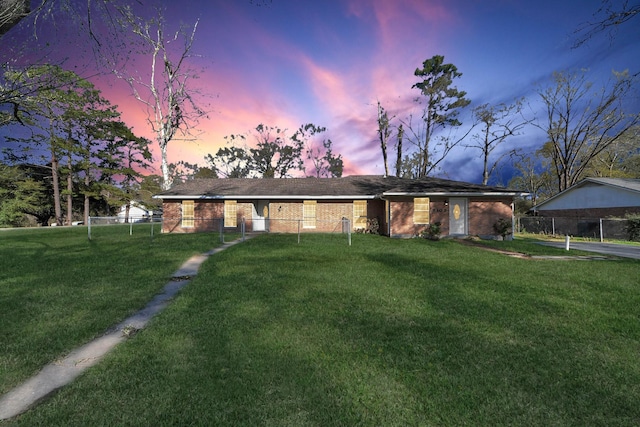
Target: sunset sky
[{"x": 288, "y": 62}]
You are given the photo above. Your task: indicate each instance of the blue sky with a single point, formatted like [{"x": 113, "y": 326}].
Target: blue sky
[{"x": 286, "y": 62}]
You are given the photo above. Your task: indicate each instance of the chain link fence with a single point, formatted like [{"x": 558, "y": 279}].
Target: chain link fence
[
  {"x": 295, "y": 227},
  {"x": 98, "y": 225},
  {"x": 594, "y": 228}
]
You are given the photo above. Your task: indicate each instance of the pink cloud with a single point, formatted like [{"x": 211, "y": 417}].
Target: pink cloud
[{"x": 280, "y": 82}]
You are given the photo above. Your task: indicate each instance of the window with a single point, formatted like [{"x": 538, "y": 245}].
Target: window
[
  {"x": 309, "y": 214},
  {"x": 188, "y": 216},
  {"x": 421, "y": 210},
  {"x": 230, "y": 213},
  {"x": 359, "y": 214}
]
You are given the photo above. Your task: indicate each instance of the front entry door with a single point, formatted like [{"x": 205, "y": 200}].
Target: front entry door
[
  {"x": 458, "y": 217},
  {"x": 260, "y": 215}
]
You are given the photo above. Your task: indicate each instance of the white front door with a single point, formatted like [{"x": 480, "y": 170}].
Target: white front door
[
  {"x": 458, "y": 217},
  {"x": 260, "y": 215}
]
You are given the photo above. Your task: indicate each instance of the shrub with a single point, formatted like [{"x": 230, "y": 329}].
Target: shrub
[
  {"x": 633, "y": 227},
  {"x": 432, "y": 232},
  {"x": 502, "y": 227}
]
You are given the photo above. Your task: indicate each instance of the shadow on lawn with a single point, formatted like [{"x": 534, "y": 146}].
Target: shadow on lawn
[
  {"x": 421, "y": 341},
  {"x": 444, "y": 347},
  {"x": 509, "y": 351}
]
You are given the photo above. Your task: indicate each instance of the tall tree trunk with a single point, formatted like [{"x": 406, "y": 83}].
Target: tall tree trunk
[
  {"x": 485, "y": 155},
  {"x": 384, "y": 159},
  {"x": 485, "y": 171},
  {"x": 166, "y": 179},
  {"x": 87, "y": 182},
  {"x": 69, "y": 199},
  {"x": 69, "y": 193},
  {"x": 57, "y": 206},
  {"x": 399, "y": 158}
]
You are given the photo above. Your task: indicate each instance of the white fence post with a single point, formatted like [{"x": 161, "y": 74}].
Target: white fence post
[
  {"x": 601, "y": 232},
  {"x": 89, "y": 228}
]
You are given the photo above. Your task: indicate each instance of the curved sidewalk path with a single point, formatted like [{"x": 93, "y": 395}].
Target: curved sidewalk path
[{"x": 61, "y": 372}]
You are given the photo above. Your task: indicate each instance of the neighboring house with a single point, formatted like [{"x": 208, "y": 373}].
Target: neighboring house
[
  {"x": 137, "y": 213},
  {"x": 594, "y": 198},
  {"x": 402, "y": 207}
]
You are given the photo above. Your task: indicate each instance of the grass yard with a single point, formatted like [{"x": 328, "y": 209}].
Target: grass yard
[
  {"x": 59, "y": 290},
  {"x": 385, "y": 332}
]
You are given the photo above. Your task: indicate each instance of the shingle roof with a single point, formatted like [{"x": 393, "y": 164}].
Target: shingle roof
[
  {"x": 626, "y": 183},
  {"x": 367, "y": 186}
]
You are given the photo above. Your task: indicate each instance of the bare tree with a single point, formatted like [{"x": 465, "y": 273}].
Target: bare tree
[
  {"x": 581, "y": 122},
  {"x": 533, "y": 178},
  {"x": 426, "y": 157},
  {"x": 166, "y": 90},
  {"x": 274, "y": 154},
  {"x": 615, "y": 160},
  {"x": 325, "y": 163},
  {"x": 231, "y": 161},
  {"x": 319, "y": 153},
  {"x": 384, "y": 132},
  {"x": 12, "y": 12},
  {"x": 609, "y": 16},
  {"x": 399, "y": 138},
  {"x": 498, "y": 123}
]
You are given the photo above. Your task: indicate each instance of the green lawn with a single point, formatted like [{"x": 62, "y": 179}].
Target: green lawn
[
  {"x": 385, "y": 332},
  {"x": 58, "y": 290}
]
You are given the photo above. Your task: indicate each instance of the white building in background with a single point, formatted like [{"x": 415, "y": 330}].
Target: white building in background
[{"x": 137, "y": 213}]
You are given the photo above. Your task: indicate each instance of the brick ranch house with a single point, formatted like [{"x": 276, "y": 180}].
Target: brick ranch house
[{"x": 402, "y": 207}]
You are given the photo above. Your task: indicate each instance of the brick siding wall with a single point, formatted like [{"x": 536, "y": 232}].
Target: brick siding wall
[
  {"x": 439, "y": 212},
  {"x": 402, "y": 217},
  {"x": 285, "y": 216},
  {"x": 208, "y": 216},
  {"x": 483, "y": 214}
]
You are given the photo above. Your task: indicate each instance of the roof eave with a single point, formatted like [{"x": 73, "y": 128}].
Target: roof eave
[
  {"x": 262, "y": 197},
  {"x": 456, "y": 194},
  {"x": 610, "y": 184}
]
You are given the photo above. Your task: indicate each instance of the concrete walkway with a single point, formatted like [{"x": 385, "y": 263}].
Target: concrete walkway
[
  {"x": 614, "y": 249},
  {"x": 63, "y": 371}
]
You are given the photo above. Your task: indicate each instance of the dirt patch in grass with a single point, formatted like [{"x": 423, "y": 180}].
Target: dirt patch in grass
[{"x": 480, "y": 245}]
